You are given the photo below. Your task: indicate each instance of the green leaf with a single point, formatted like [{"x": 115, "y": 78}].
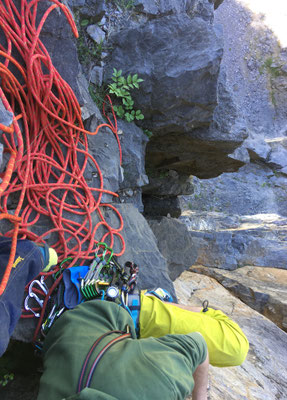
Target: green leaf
[
  {"x": 139, "y": 116},
  {"x": 122, "y": 80},
  {"x": 136, "y": 85},
  {"x": 119, "y": 111},
  {"x": 119, "y": 73},
  {"x": 131, "y": 85},
  {"x": 84, "y": 22},
  {"x": 140, "y": 80},
  {"x": 129, "y": 79},
  {"x": 135, "y": 78}
]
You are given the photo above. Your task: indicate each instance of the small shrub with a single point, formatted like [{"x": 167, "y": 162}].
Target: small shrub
[
  {"x": 5, "y": 379},
  {"x": 121, "y": 88}
]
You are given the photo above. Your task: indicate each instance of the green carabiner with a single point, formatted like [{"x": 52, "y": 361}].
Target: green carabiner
[
  {"x": 60, "y": 266},
  {"x": 106, "y": 248}
]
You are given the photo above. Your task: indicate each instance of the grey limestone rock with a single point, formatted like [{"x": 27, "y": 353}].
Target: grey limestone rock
[
  {"x": 58, "y": 39},
  {"x": 141, "y": 248},
  {"x": 277, "y": 157},
  {"x": 168, "y": 183},
  {"x": 195, "y": 123},
  {"x": 6, "y": 117},
  {"x": 91, "y": 8},
  {"x": 88, "y": 106},
  {"x": 263, "y": 289},
  {"x": 179, "y": 71},
  {"x": 96, "y": 33},
  {"x": 229, "y": 242},
  {"x": 155, "y": 206},
  {"x": 104, "y": 148},
  {"x": 258, "y": 149},
  {"x": 262, "y": 374},
  {"x": 133, "y": 142},
  {"x": 200, "y": 8},
  {"x": 96, "y": 76},
  {"x": 174, "y": 243}
]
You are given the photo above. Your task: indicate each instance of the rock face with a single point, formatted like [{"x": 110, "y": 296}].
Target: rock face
[
  {"x": 141, "y": 248},
  {"x": 263, "y": 289},
  {"x": 262, "y": 375},
  {"x": 179, "y": 96},
  {"x": 133, "y": 142},
  {"x": 174, "y": 243},
  {"x": 230, "y": 242},
  {"x": 254, "y": 62},
  {"x": 203, "y": 8},
  {"x": 195, "y": 51},
  {"x": 56, "y": 30}
]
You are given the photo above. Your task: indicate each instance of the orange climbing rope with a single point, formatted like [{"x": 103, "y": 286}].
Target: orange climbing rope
[{"x": 45, "y": 141}]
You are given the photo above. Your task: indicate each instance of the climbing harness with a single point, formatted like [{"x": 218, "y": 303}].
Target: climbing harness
[{"x": 48, "y": 146}]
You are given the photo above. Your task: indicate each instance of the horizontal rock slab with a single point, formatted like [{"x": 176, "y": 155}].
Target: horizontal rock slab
[
  {"x": 263, "y": 289},
  {"x": 228, "y": 242},
  {"x": 263, "y": 373},
  {"x": 254, "y": 189}
]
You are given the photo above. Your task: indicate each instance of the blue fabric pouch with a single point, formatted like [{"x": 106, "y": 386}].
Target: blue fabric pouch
[{"x": 72, "y": 281}]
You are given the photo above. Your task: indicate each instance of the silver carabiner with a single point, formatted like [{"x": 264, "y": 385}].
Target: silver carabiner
[
  {"x": 40, "y": 283},
  {"x": 26, "y": 305}
]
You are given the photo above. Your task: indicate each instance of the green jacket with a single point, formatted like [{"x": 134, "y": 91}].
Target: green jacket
[{"x": 151, "y": 368}]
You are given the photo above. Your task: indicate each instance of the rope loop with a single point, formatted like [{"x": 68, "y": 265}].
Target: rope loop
[{"x": 48, "y": 145}]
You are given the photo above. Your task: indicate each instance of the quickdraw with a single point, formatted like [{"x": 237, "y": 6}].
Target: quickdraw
[{"x": 106, "y": 278}]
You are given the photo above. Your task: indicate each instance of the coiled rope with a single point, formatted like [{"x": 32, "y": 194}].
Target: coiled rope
[{"x": 45, "y": 141}]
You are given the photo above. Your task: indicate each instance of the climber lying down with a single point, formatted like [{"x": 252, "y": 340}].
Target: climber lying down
[{"x": 95, "y": 351}]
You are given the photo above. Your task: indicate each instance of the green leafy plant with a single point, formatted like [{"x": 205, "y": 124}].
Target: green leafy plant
[
  {"x": 148, "y": 133},
  {"x": 97, "y": 94},
  {"x": 5, "y": 379},
  {"x": 124, "y": 4},
  {"x": 85, "y": 22},
  {"x": 89, "y": 52},
  {"x": 121, "y": 88}
]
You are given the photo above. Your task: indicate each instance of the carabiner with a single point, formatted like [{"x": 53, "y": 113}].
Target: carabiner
[
  {"x": 26, "y": 306},
  {"x": 40, "y": 283}
]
